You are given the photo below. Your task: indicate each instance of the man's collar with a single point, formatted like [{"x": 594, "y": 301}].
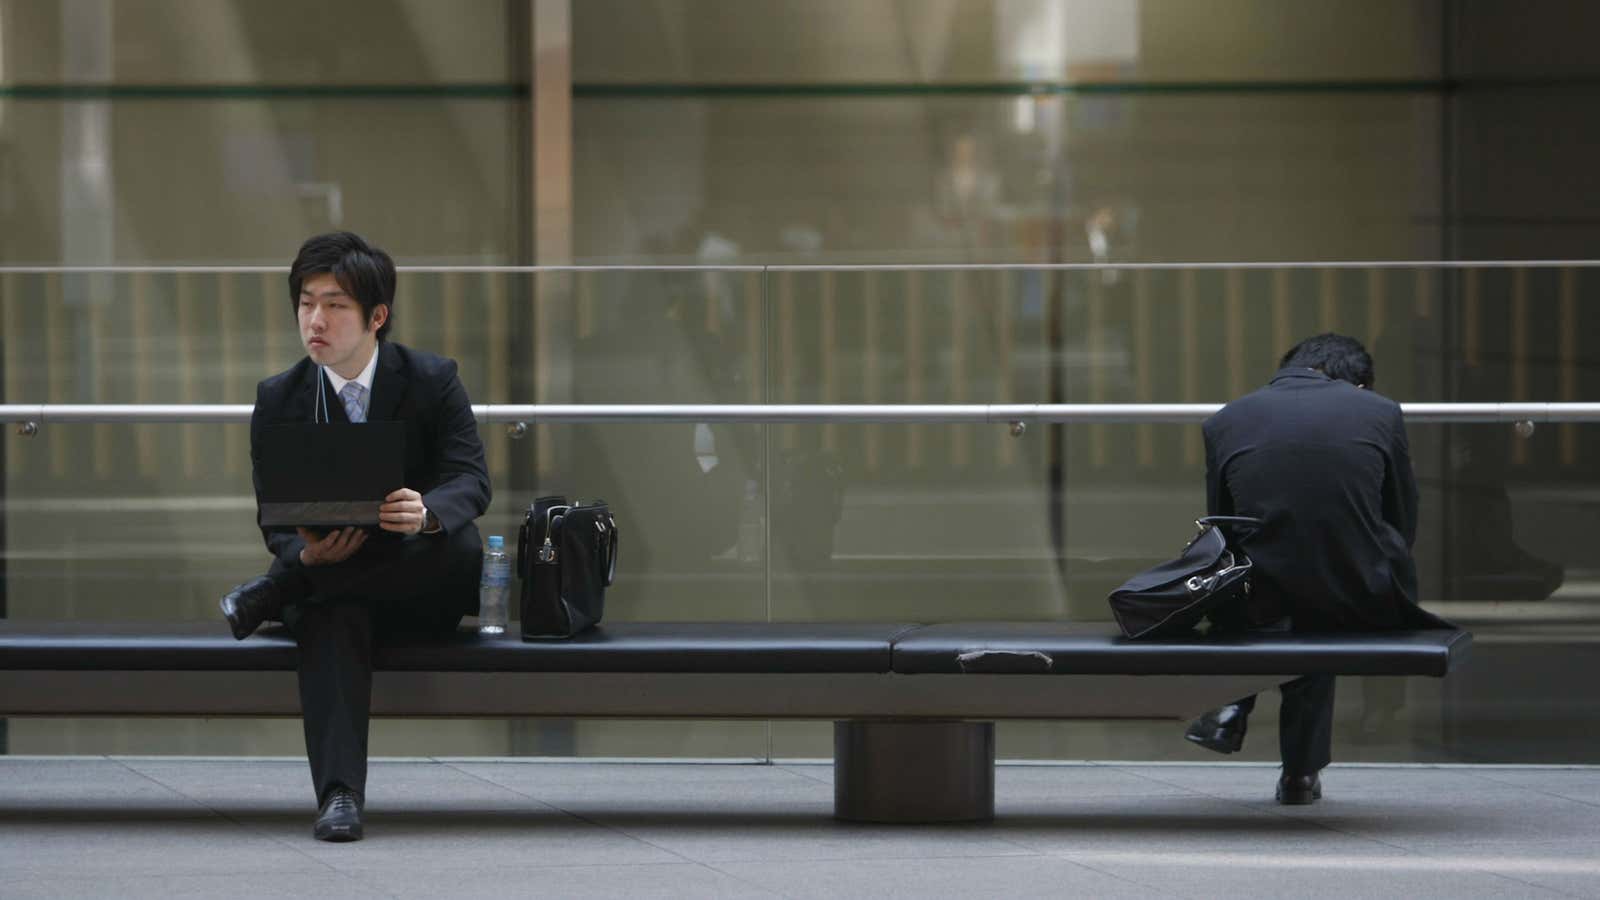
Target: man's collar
[
  {"x": 364, "y": 379},
  {"x": 1299, "y": 372}
]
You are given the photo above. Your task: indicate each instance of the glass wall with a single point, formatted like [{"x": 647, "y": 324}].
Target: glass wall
[
  {"x": 869, "y": 522},
  {"x": 185, "y": 132},
  {"x": 1017, "y": 130},
  {"x": 819, "y": 133}
]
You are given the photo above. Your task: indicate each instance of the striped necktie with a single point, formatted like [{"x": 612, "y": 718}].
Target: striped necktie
[{"x": 354, "y": 397}]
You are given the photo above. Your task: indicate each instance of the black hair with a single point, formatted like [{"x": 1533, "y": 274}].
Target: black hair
[
  {"x": 365, "y": 272},
  {"x": 1335, "y": 355}
]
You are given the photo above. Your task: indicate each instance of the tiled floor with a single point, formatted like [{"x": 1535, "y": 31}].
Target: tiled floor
[{"x": 166, "y": 827}]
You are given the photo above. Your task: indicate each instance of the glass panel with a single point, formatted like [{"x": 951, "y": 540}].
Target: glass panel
[
  {"x": 1162, "y": 177},
  {"x": 867, "y": 522},
  {"x": 294, "y": 42},
  {"x": 942, "y": 527},
  {"x": 687, "y": 494},
  {"x": 839, "y": 41},
  {"x": 253, "y": 178},
  {"x": 154, "y": 522},
  {"x": 911, "y": 523}
]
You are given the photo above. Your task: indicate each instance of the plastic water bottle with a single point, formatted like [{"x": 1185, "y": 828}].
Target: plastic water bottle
[{"x": 494, "y": 590}]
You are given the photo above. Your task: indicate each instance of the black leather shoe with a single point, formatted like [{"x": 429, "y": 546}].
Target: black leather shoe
[
  {"x": 1220, "y": 730},
  {"x": 249, "y": 604},
  {"x": 1299, "y": 790},
  {"x": 340, "y": 817}
]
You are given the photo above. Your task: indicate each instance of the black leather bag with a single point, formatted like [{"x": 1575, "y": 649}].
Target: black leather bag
[
  {"x": 567, "y": 557},
  {"x": 1172, "y": 598}
]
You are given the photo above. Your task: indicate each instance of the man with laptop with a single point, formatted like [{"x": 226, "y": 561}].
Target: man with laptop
[{"x": 368, "y": 474}]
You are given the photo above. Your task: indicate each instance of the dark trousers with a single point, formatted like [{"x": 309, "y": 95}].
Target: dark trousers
[
  {"x": 423, "y": 584},
  {"x": 1305, "y": 712},
  {"x": 1305, "y": 723}
]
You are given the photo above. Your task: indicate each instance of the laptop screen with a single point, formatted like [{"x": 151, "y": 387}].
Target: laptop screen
[{"x": 329, "y": 475}]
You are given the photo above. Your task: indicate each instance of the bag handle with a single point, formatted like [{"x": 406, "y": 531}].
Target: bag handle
[
  {"x": 1245, "y": 521},
  {"x": 547, "y": 552},
  {"x": 1205, "y": 522},
  {"x": 609, "y": 564}
]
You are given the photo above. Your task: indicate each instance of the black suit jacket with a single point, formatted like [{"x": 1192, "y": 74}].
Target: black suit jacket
[
  {"x": 444, "y": 457},
  {"x": 1327, "y": 466}
]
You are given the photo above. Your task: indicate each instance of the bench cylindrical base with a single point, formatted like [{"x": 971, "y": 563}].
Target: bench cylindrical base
[{"x": 913, "y": 771}]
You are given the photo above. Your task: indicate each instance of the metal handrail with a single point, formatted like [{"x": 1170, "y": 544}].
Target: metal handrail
[
  {"x": 974, "y": 413},
  {"x": 841, "y": 267}
]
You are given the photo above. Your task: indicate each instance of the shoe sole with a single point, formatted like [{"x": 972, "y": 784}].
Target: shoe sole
[
  {"x": 341, "y": 836},
  {"x": 1215, "y": 746}
]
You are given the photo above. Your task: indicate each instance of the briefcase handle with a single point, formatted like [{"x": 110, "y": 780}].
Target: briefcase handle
[
  {"x": 610, "y": 564},
  {"x": 1242, "y": 521}
]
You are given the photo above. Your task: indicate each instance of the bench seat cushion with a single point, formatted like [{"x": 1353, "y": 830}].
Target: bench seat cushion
[
  {"x": 781, "y": 647},
  {"x": 1061, "y": 648},
  {"x": 1066, "y": 648}
]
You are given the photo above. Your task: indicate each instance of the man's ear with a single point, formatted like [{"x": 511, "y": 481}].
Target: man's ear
[{"x": 380, "y": 315}]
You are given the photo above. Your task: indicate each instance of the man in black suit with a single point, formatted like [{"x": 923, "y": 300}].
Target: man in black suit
[
  {"x": 1323, "y": 461},
  {"x": 419, "y": 570}
]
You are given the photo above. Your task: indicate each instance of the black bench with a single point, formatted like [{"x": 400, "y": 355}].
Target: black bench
[{"x": 913, "y": 705}]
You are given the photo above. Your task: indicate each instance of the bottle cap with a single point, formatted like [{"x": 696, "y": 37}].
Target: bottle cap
[{"x": 496, "y": 541}]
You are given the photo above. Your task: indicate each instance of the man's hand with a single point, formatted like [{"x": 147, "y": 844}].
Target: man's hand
[
  {"x": 334, "y": 547},
  {"x": 402, "y": 512}
]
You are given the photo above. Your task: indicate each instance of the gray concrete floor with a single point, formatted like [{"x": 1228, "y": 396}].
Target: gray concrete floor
[{"x": 241, "y": 828}]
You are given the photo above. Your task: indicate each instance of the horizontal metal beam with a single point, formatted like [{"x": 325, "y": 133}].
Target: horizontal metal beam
[
  {"x": 872, "y": 267},
  {"x": 625, "y": 413}
]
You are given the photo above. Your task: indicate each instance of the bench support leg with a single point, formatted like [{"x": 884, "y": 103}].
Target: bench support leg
[{"x": 913, "y": 771}]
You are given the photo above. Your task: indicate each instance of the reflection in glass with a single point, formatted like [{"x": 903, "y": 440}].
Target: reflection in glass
[{"x": 859, "y": 521}]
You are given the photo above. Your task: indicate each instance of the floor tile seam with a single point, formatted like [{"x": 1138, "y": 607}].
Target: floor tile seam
[
  {"x": 1580, "y": 802},
  {"x": 882, "y": 857},
  {"x": 1535, "y": 790},
  {"x": 803, "y": 777},
  {"x": 1182, "y": 789},
  {"x": 574, "y": 815},
  {"x": 622, "y": 832},
  {"x": 828, "y": 782},
  {"x": 1012, "y": 842},
  {"x": 1470, "y": 767},
  {"x": 228, "y": 818},
  {"x": 158, "y": 783},
  {"x": 504, "y": 787},
  {"x": 55, "y": 874},
  {"x": 1520, "y": 883},
  {"x": 1187, "y": 791},
  {"x": 1278, "y": 810},
  {"x": 1125, "y": 879},
  {"x": 1473, "y": 868},
  {"x": 1490, "y": 867},
  {"x": 713, "y": 867},
  {"x": 435, "y": 867},
  {"x": 1511, "y": 842},
  {"x": 264, "y": 871}
]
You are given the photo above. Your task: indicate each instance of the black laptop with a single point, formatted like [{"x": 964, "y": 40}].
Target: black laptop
[{"x": 329, "y": 475}]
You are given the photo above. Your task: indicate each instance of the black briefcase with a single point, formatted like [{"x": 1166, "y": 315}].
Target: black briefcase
[
  {"x": 1171, "y": 599},
  {"x": 567, "y": 557}
]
